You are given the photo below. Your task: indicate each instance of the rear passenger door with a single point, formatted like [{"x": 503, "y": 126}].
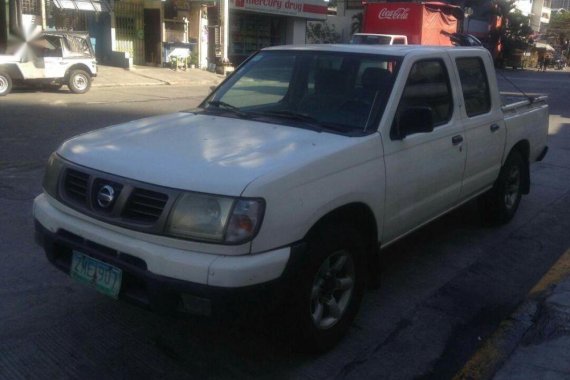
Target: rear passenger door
[
  {"x": 483, "y": 122},
  {"x": 423, "y": 170}
]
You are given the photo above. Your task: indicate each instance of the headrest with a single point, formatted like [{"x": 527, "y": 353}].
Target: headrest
[
  {"x": 375, "y": 78},
  {"x": 329, "y": 81}
]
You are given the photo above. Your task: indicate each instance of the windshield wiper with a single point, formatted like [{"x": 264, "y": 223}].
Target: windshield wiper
[
  {"x": 292, "y": 115},
  {"x": 228, "y": 107}
]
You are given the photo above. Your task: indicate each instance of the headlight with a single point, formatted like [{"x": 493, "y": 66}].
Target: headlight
[
  {"x": 51, "y": 176},
  {"x": 215, "y": 218}
]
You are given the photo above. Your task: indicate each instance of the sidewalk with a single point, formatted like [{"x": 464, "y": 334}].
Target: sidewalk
[
  {"x": 109, "y": 76},
  {"x": 534, "y": 343}
]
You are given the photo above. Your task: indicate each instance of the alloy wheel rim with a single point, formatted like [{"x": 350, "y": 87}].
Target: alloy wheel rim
[
  {"x": 332, "y": 289},
  {"x": 512, "y": 188}
]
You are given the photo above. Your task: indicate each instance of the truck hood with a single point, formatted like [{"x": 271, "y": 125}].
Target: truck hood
[{"x": 197, "y": 152}]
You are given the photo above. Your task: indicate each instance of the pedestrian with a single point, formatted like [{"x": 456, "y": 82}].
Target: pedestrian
[
  {"x": 546, "y": 63},
  {"x": 540, "y": 63}
]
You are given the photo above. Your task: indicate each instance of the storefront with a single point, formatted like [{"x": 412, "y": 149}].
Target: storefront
[
  {"x": 255, "y": 24},
  {"x": 151, "y": 30}
]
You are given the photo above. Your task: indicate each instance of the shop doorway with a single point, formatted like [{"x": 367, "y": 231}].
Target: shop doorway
[{"x": 152, "y": 36}]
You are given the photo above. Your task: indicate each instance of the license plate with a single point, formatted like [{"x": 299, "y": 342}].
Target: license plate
[{"x": 103, "y": 277}]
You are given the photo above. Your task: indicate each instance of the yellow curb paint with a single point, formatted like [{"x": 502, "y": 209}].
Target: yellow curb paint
[
  {"x": 485, "y": 361},
  {"x": 482, "y": 365},
  {"x": 555, "y": 274}
]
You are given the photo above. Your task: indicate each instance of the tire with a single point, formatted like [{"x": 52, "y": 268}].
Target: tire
[
  {"x": 79, "y": 82},
  {"x": 5, "y": 84},
  {"x": 502, "y": 201},
  {"x": 330, "y": 288}
]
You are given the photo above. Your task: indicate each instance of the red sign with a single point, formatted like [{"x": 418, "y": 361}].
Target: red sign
[{"x": 311, "y": 9}]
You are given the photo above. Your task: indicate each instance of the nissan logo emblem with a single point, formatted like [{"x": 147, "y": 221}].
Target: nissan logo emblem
[{"x": 105, "y": 196}]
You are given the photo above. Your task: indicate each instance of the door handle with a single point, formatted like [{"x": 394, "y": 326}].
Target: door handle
[
  {"x": 494, "y": 127},
  {"x": 458, "y": 139}
]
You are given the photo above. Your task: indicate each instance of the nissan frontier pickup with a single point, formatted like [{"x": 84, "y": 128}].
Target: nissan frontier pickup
[{"x": 286, "y": 183}]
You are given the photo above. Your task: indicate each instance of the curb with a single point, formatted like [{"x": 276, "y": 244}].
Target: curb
[
  {"x": 134, "y": 84},
  {"x": 158, "y": 83},
  {"x": 486, "y": 362}
]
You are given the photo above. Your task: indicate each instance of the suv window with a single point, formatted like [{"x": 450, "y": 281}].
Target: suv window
[
  {"x": 46, "y": 46},
  {"x": 428, "y": 86},
  {"x": 475, "y": 85}
]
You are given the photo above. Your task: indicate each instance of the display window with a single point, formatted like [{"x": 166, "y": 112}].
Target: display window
[{"x": 251, "y": 32}]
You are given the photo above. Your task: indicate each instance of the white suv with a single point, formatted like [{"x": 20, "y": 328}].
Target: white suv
[{"x": 51, "y": 60}]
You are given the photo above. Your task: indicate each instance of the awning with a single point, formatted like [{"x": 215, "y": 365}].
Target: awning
[{"x": 84, "y": 5}]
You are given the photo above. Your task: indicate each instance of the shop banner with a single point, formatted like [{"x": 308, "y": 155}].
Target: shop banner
[{"x": 311, "y": 9}]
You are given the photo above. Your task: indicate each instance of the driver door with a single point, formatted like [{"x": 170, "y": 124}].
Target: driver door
[
  {"x": 423, "y": 170},
  {"x": 54, "y": 64}
]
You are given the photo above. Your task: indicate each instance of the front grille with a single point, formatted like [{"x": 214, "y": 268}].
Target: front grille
[
  {"x": 116, "y": 200},
  {"x": 145, "y": 205},
  {"x": 76, "y": 185}
]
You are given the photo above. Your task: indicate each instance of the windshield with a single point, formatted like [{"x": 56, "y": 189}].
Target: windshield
[
  {"x": 363, "y": 39},
  {"x": 338, "y": 91}
]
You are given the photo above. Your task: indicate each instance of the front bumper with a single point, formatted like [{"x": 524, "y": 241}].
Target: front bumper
[{"x": 60, "y": 234}]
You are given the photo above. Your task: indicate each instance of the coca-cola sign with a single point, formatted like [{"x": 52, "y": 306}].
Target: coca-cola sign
[{"x": 394, "y": 14}]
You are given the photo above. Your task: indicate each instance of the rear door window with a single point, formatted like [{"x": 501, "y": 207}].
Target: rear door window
[{"x": 474, "y": 85}]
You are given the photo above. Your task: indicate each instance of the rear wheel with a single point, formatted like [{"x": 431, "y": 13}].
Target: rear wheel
[
  {"x": 5, "y": 84},
  {"x": 79, "y": 82},
  {"x": 502, "y": 201},
  {"x": 330, "y": 289}
]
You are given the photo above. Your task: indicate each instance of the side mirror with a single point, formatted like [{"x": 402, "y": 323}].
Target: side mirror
[{"x": 413, "y": 120}]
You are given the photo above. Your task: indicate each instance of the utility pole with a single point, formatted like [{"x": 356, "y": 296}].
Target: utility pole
[
  {"x": 226, "y": 30},
  {"x": 43, "y": 8}
]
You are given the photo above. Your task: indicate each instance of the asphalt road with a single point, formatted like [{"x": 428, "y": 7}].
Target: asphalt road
[{"x": 444, "y": 288}]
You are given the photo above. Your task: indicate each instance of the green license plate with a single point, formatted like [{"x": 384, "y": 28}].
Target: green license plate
[{"x": 96, "y": 274}]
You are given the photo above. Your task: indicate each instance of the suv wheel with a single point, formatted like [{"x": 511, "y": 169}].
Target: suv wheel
[
  {"x": 79, "y": 82},
  {"x": 5, "y": 84}
]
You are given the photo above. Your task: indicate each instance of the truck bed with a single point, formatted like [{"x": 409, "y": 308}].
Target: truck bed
[
  {"x": 511, "y": 101},
  {"x": 526, "y": 118}
]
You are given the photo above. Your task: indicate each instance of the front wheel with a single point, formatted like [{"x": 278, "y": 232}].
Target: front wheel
[
  {"x": 502, "y": 201},
  {"x": 331, "y": 288},
  {"x": 79, "y": 82},
  {"x": 5, "y": 84}
]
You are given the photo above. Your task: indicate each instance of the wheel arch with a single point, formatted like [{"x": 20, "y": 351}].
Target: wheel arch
[
  {"x": 78, "y": 66},
  {"x": 12, "y": 70},
  {"x": 360, "y": 216}
]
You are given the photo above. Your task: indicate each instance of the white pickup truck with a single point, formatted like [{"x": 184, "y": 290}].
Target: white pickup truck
[{"x": 285, "y": 183}]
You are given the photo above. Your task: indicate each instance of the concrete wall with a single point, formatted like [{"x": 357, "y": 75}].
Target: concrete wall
[
  {"x": 99, "y": 28},
  {"x": 296, "y": 30},
  {"x": 342, "y": 21}
]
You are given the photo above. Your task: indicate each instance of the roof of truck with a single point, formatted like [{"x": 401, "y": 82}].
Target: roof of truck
[{"x": 398, "y": 50}]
